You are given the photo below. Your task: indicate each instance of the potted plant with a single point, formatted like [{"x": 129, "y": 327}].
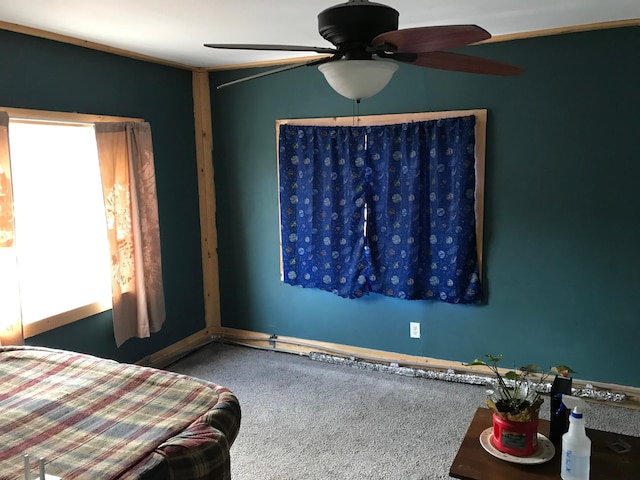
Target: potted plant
[{"x": 515, "y": 402}]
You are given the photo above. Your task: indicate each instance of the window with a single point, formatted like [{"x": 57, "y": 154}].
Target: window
[
  {"x": 412, "y": 177},
  {"x": 62, "y": 248},
  {"x": 54, "y": 247}
]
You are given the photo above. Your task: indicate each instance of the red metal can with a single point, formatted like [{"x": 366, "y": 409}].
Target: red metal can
[{"x": 515, "y": 438}]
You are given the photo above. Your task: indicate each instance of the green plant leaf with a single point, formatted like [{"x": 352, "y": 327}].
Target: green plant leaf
[
  {"x": 477, "y": 361},
  {"x": 494, "y": 359},
  {"x": 511, "y": 375},
  {"x": 531, "y": 368},
  {"x": 563, "y": 370}
]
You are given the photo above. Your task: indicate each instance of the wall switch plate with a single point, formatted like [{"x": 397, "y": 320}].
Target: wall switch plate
[{"x": 414, "y": 329}]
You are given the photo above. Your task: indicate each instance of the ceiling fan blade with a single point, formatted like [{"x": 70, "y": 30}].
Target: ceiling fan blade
[
  {"x": 285, "y": 48},
  {"x": 431, "y": 39},
  {"x": 278, "y": 70},
  {"x": 461, "y": 63}
]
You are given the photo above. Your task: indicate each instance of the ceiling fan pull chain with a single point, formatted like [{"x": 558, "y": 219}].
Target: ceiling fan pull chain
[{"x": 355, "y": 114}]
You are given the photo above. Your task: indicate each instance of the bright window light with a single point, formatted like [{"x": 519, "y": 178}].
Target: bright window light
[{"x": 60, "y": 226}]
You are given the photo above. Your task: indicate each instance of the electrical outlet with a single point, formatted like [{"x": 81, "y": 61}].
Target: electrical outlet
[{"x": 414, "y": 329}]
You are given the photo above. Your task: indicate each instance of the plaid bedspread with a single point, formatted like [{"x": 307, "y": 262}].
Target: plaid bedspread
[{"x": 92, "y": 418}]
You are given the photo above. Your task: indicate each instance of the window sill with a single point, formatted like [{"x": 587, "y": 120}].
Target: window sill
[{"x": 50, "y": 323}]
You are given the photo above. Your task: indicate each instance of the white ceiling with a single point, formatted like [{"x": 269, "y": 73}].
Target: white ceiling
[{"x": 175, "y": 30}]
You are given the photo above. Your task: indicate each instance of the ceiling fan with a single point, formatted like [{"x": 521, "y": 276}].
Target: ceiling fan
[{"x": 362, "y": 30}]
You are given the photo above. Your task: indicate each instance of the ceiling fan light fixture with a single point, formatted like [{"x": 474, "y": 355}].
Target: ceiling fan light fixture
[{"x": 358, "y": 79}]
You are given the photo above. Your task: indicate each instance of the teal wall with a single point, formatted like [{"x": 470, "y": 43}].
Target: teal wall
[
  {"x": 47, "y": 75},
  {"x": 562, "y": 211}
]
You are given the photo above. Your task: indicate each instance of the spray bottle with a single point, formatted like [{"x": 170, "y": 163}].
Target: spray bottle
[{"x": 576, "y": 446}]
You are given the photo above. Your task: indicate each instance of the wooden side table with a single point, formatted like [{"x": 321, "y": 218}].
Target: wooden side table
[{"x": 472, "y": 462}]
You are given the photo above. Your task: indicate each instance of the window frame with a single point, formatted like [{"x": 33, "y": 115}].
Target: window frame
[
  {"x": 372, "y": 120},
  {"x": 84, "y": 311}
]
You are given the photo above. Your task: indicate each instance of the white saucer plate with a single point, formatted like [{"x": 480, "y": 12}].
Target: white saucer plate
[{"x": 544, "y": 453}]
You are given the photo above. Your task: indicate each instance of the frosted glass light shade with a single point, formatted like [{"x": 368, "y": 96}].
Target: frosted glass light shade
[{"x": 358, "y": 79}]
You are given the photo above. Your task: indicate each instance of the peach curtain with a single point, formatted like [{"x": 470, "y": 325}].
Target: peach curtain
[
  {"x": 129, "y": 189},
  {"x": 10, "y": 315}
]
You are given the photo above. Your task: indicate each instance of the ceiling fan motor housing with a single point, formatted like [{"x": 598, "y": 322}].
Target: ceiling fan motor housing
[{"x": 355, "y": 24}]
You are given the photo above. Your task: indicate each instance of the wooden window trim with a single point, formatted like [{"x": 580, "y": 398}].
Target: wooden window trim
[
  {"x": 53, "y": 116},
  {"x": 36, "y": 328}
]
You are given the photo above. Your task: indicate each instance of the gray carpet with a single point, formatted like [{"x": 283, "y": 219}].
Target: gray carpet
[{"x": 304, "y": 419}]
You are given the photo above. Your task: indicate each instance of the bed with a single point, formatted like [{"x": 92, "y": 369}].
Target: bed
[{"x": 92, "y": 418}]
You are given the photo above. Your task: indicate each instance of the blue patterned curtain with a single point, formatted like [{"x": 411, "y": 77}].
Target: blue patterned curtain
[
  {"x": 417, "y": 181},
  {"x": 322, "y": 200},
  {"x": 421, "y": 222}
]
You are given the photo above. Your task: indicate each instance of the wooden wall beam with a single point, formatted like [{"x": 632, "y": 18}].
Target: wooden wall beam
[{"x": 206, "y": 194}]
